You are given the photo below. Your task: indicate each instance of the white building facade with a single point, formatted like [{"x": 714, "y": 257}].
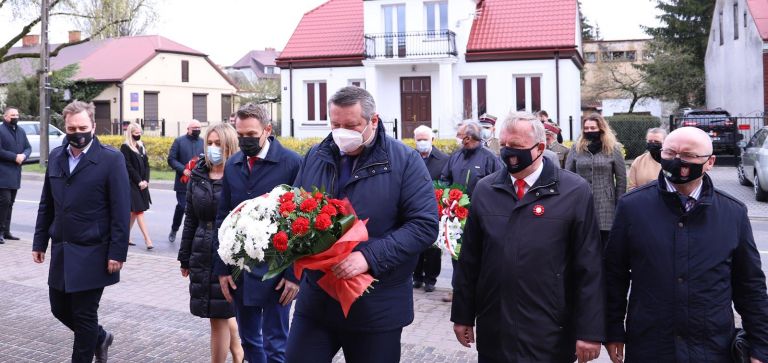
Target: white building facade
[{"x": 425, "y": 64}]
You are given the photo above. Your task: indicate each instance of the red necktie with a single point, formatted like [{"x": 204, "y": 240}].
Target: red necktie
[
  {"x": 251, "y": 161},
  {"x": 520, "y": 185}
]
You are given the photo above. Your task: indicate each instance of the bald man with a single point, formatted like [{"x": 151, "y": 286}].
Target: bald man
[
  {"x": 184, "y": 148},
  {"x": 692, "y": 257}
]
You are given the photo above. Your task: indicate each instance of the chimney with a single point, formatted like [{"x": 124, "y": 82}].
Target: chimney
[
  {"x": 269, "y": 49},
  {"x": 30, "y": 40},
  {"x": 74, "y": 36}
]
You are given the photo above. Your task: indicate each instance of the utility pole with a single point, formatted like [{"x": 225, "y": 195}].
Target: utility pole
[{"x": 45, "y": 99}]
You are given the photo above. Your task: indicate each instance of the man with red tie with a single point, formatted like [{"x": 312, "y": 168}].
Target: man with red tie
[{"x": 260, "y": 306}]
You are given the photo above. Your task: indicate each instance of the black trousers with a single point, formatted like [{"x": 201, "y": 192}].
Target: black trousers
[
  {"x": 428, "y": 267},
  {"x": 7, "y": 198},
  {"x": 178, "y": 214},
  {"x": 311, "y": 341},
  {"x": 79, "y": 312}
]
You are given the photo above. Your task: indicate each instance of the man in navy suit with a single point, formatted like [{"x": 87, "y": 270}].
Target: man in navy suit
[
  {"x": 14, "y": 149},
  {"x": 84, "y": 211},
  {"x": 261, "y": 307}
]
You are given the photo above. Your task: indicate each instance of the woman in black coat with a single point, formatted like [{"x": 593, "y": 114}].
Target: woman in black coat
[
  {"x": 138, "y": 172},
  {"x": 196, "y": 250}
]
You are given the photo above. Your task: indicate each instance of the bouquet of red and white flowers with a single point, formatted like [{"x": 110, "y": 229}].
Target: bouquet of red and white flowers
[
  {"x": 290, "y": 226},
  {"x": 453, "y": 209}
]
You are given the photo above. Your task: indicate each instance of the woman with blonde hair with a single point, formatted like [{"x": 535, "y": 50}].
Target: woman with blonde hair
[
  {"x": 596, "y": 156},
  {"x": 196, "y": 250},
  {"x": 137, "y": 163}
]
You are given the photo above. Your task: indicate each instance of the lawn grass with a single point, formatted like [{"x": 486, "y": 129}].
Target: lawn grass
[{"x": 155, "y": 174}]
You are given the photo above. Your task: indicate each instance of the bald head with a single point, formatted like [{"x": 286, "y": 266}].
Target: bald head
[{"x": 689, "y": 139}]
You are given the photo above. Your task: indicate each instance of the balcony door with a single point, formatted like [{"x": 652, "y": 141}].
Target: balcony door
[
  {"x": 415, "y": 103},
  {"x": 394, "y": 28}
]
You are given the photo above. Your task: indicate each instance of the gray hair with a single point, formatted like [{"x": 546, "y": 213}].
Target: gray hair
[
  {"x": 657, "y": 130},
  {"x": 352, "y": 95},
  {"x": 423, "y": 129},
  {"x": 252, "y": 110},
  {"x": 537, "y": 128},
  {"x": 76, "y": 107},
  {"x": 473, "y": 130}
]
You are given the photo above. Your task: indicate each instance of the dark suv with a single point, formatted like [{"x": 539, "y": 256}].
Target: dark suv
[{"x": 718, "y": 123}]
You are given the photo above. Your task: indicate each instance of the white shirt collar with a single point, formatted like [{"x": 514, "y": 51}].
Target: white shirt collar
[
  {"x": 695, "y": 194},
  {"x": 532, "y": 178},
  {"x": 263, "y": 153}
]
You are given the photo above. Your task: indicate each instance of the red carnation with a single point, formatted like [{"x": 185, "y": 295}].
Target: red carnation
[
  {"x": 308, "y": 205},
  {"x": 300, "y": 226},
  {"x": 339, "y": 205},
  {"x": 280, "y": 241},
  {"x": 461, "y": 212},
  {"x": 455, "y": 194},
  {"x": 322, "y": 222},
  {"x": 329, "y": 210},
  {"x": 287, "y": 208},
  {"x": 318, "y": 196},
  {"x": 286, "y": 197},
  {"x": 439, "y": 194}
]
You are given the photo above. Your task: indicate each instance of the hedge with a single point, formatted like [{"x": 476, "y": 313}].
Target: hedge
[
  {"x": 158, "y": 146},
  {"x": 631, "y": 129}
]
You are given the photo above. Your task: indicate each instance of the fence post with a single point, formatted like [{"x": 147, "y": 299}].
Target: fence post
[
  {"x": 671, "y": 122},
  {"x": 162, "y": 128},
  {"x": 570, "y": 127},
  {"x": 395, "y": 129}
]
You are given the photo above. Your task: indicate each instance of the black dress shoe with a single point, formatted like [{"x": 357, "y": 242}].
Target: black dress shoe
[
  {"x": 10, "y": 237},
  {"x": 429, "y": 288},
  {"x": 417, "y": 284},
  {"x": 103, "y": 348},
  {"x": 2, "y": 241}
]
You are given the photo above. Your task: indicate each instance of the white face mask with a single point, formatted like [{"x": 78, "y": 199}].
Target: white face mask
[
  {"x": 348, "y": 140},
  {"x": 423, "y": 146},
  {"x": 486, "y": 134},
  {"x": 460, "y": 142}
]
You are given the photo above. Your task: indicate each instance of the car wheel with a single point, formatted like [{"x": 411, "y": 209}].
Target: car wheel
[
  {"x": 743, "y": 180},
  {"x": 760, "y": 194}
]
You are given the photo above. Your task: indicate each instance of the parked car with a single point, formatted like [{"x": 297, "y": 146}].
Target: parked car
[
  {"x": 753, "y": 164},
  {"x": 32, "y": 128},
  {"x": 718, "y": 123}
]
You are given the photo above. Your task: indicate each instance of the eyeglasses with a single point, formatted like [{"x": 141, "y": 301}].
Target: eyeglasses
[{"x": 685, "y": 156}]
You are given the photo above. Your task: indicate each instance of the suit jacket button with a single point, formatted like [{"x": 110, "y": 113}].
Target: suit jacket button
[{"x": 680, "y": 224}]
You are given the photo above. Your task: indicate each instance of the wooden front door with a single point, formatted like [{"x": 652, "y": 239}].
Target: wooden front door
[
  {"x": 102, "y": 116},
  {"x": 415, "y": 103}
]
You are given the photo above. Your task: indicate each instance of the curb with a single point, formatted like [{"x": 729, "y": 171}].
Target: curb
[{"x": 158, "y": 184}]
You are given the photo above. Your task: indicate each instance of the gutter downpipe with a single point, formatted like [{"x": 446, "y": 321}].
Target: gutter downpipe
[
  {"x": 120, "y": 104},
  {"x": 557, "y": 84},
  {"x": 290, "y": 89}
]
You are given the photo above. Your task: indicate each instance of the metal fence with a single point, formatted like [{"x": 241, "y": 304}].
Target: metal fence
[
  {"x": 411, "y": 44},
  {"x": 149, "y": 127},
  {"x": 724, "y": 130}
]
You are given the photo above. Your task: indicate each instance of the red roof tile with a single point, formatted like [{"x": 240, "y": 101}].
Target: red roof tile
[
  {"x": 333, "y": 29},
  {"x": 759, "y": 11},
  {"x": 523, "y": 24}
]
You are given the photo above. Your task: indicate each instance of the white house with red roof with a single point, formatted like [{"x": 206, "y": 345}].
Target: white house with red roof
[
  {"x": 147, "y": 78},
  {"x": 736, "y": 63},
  {"x": 434, "y": 63}
]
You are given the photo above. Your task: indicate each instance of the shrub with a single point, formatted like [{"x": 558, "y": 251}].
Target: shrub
[
  {"x": 631, "y": 129},
  {"x": 157, "y": 148}
]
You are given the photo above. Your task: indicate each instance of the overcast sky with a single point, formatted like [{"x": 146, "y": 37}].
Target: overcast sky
[{"x": 227, "y": 29}]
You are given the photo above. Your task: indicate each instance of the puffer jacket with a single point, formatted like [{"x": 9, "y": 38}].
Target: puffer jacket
[{"x": 196, "y": 250}]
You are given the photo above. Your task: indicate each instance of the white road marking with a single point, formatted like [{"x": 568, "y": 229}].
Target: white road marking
[
  {"x": 38, "y": 202},
  {"x": 765, "y": 252}
]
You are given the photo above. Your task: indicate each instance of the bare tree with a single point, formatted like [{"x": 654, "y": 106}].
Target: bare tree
[
  {"x": 92, "y": 15},
  {"x": 620, "y": 80}
]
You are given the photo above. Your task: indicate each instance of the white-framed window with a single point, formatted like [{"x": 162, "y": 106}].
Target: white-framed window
[
  {"x": 436, "y": 18},
  {"x": 736, "y": 20},
  {"x": 357, "y": 83},
  {"x": 590, "y": 57},
  {"x": 527, "y": 92},
  {"x": 317, "y": 101},
  {"x": 269, "y": 70},
  {"x": 473, "y": 97}
]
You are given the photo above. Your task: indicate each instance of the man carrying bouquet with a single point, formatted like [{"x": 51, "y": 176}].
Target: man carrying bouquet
[
  {"x": 388, "y": 185},
  {"x": 261, "y": 307},
  {"x": 530, "y": 273}
]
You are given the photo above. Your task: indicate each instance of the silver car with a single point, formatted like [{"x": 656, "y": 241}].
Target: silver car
[
  {"x": 753, "y": 164},
  {"x": 32, "y": 128}
]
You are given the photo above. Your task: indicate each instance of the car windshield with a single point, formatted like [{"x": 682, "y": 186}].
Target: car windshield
[{"x": 29, "y": 129}]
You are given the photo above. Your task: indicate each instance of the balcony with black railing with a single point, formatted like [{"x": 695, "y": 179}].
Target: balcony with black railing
[{"x": 422, "y": 44}]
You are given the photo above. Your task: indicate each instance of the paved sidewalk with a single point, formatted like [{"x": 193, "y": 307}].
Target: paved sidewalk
[{"x": 725, "y": 179}]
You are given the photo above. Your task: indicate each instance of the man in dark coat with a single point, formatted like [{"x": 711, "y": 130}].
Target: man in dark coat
[
  {"x": 530, "y": 271},
  {"x": 183, "y": 149},
  {"x": 84, "y": 211},
  {"x": 14, "y": 149},
  {"x": 687, "y": 250},
  {"x": 387, "y": 184},
  {"x": 261, "y": 307},
  {"x": 428, "y": 267}
]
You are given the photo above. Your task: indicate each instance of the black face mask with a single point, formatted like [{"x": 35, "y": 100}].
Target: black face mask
[
  {"x": 654, "y": 148},
  {"x": 250, "y": 146},
  {"x": 136, "y": 137},
  {"x": 14, "y": 121},
  {"x": 195, "y": 134},
  {"x": 673, "y": 170},
  {"x": 522, "y": 156},
  {"x": 592, "y": 135},
  {"x": 79, "y": 140}
]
